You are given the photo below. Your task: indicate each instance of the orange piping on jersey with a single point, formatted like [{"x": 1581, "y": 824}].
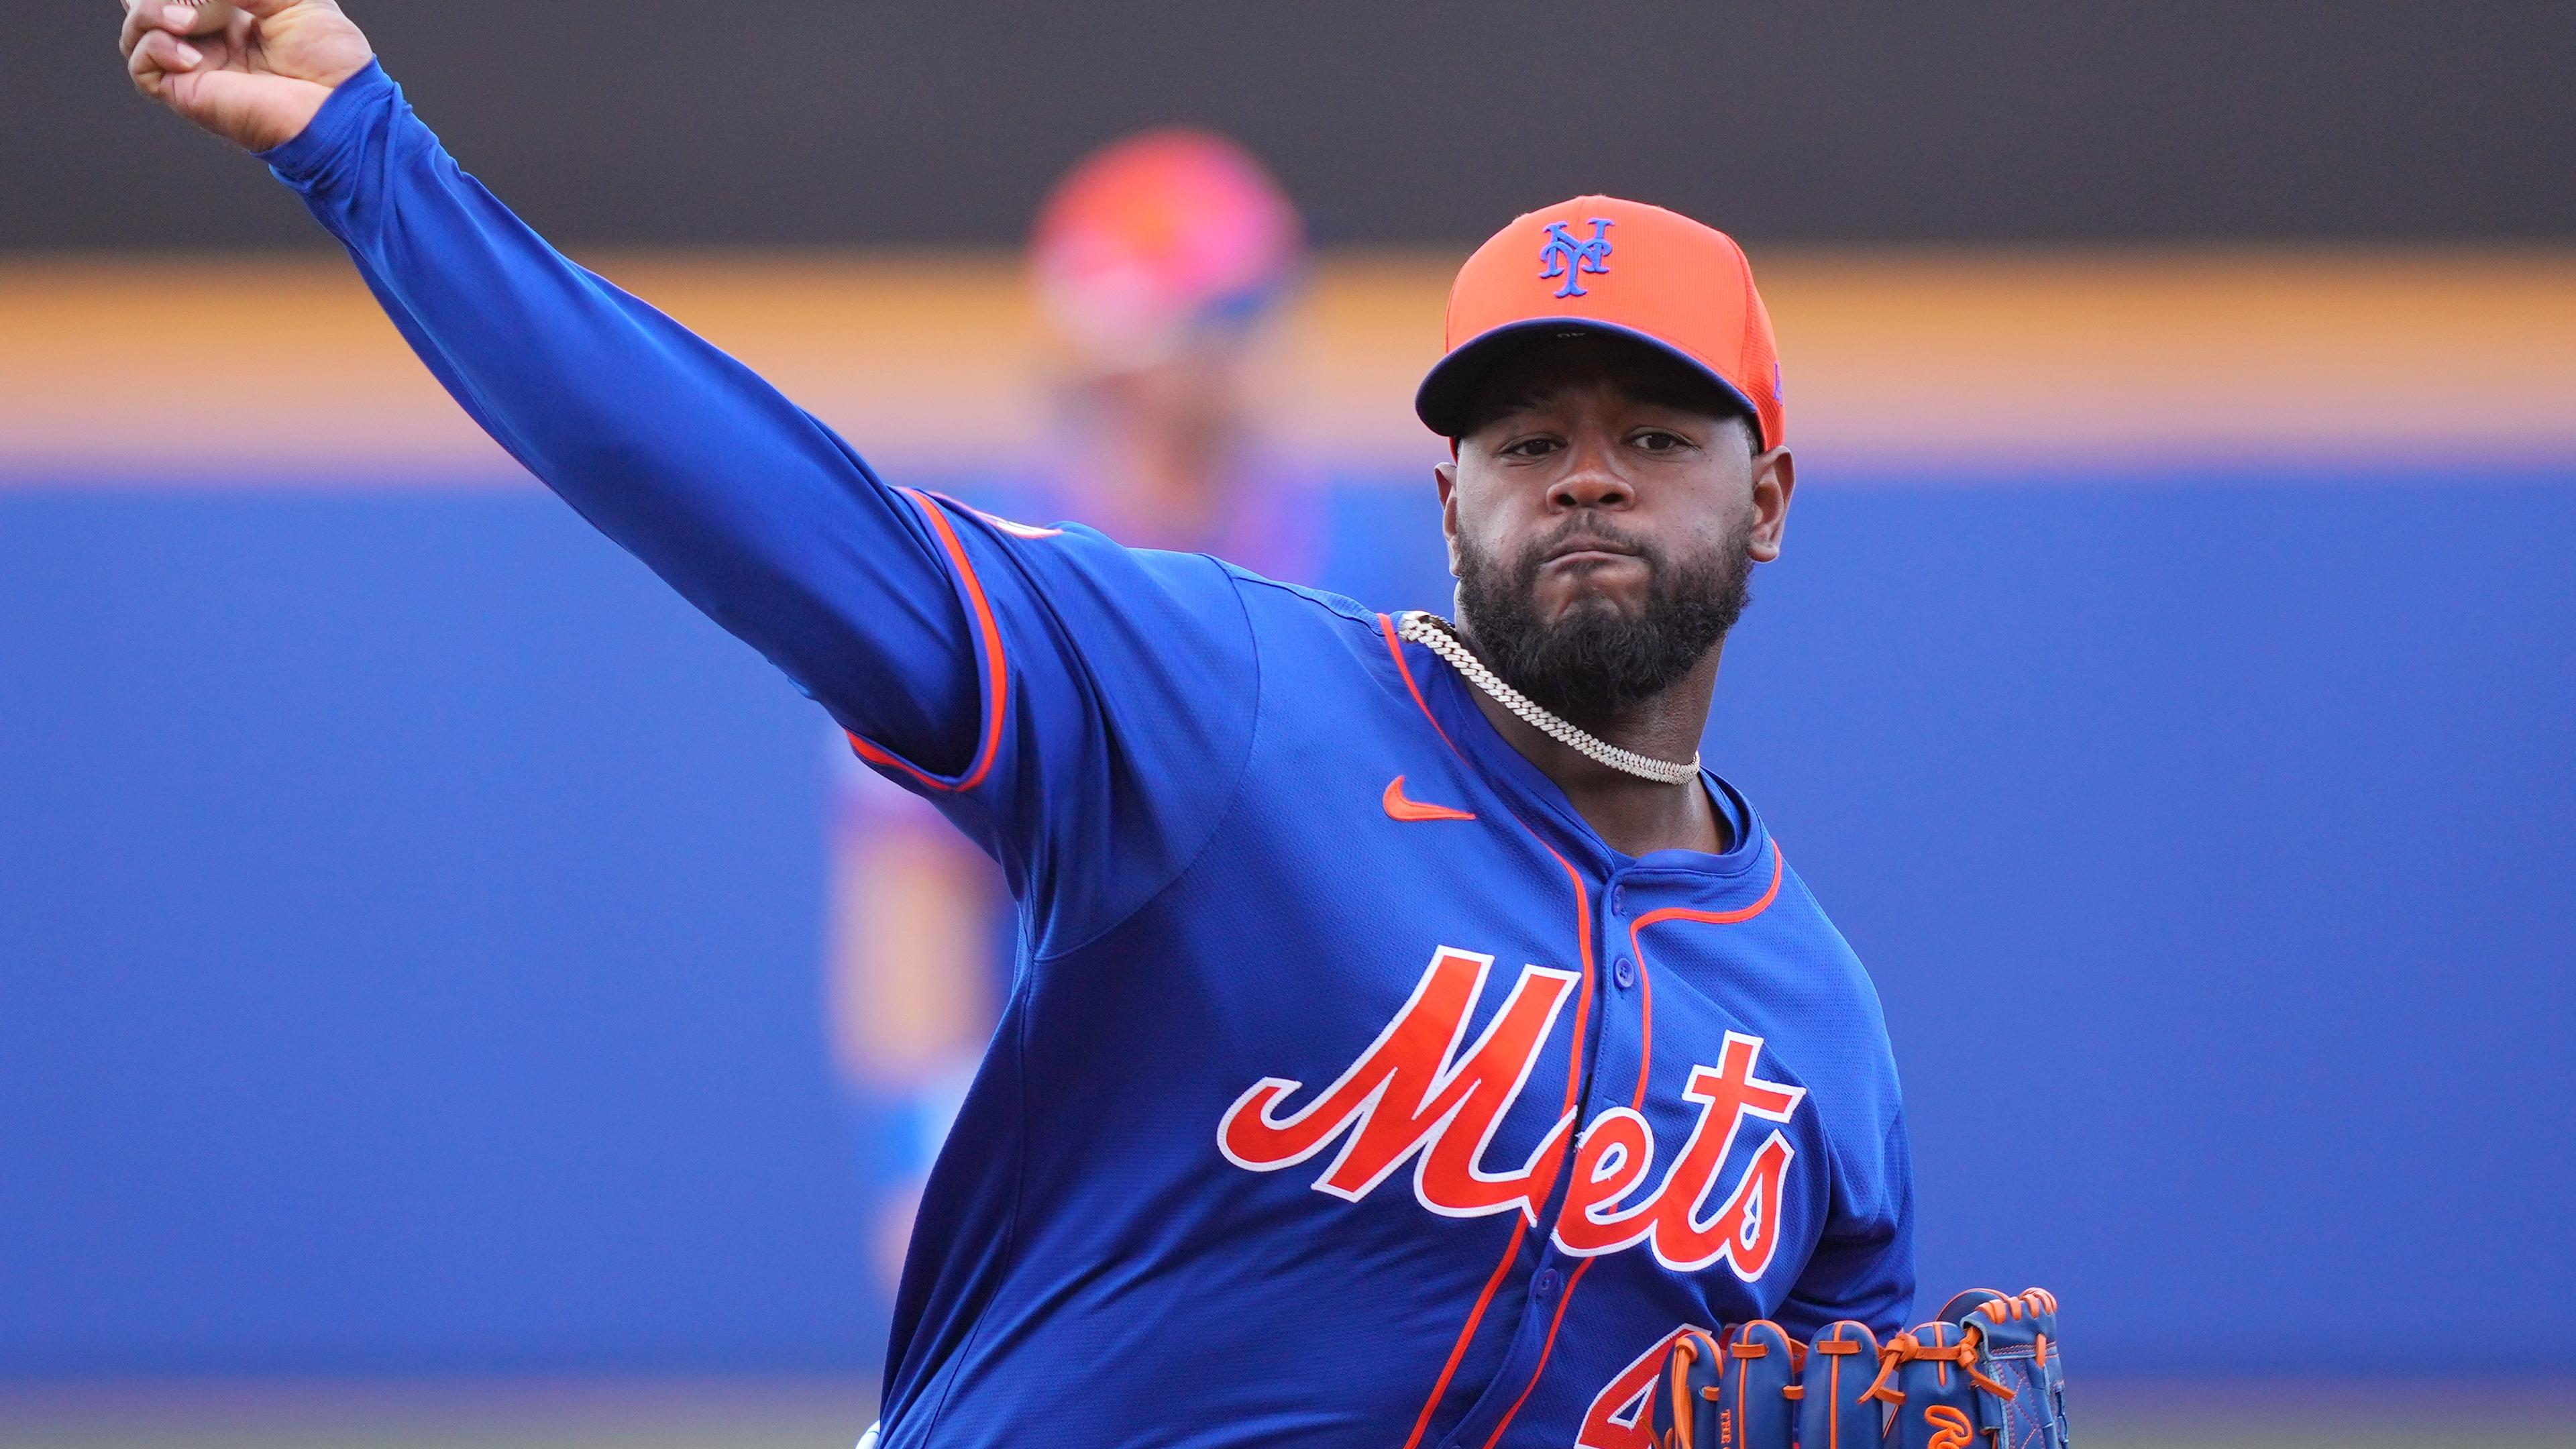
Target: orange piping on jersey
[
  {"x": 1573, "y": 1096},
  {"x": 1395, "y": 651},
  {"x": 1573, "y": 1077},
  {"x": 1715, "y": 918},
  {"x": 1646, "y": 978},
  {"x": 1645, "y": 1021},
  {"x": 1582, "y": 896},
  {"x": 997, "y": 688},
  {"x": 1399, "y": 807},
  {"x": 890, "y": 760},
  {"x": 1583, "y": 1003},
  {"x": 1467, "y": 1334},
  {"x": 1574, "y": 1068},
  {"x": 1563, "y": 1300},
  {"x": 1573, "y": 1088},
  {"x": 996, "y": 661}
]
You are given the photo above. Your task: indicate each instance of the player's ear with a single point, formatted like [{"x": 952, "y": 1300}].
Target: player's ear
[
  {"x": 1775, "y": 477},
  {"x": 1444, "y": 477}
]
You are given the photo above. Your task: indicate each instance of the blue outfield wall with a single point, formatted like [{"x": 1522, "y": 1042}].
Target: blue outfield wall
[{"x": 410, "y": 916}]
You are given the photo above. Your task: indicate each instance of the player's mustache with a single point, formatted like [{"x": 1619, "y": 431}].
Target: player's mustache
[{"x": 1582, "y": 531}]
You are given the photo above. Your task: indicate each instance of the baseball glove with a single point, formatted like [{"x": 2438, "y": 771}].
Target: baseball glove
[{"x": 1986, "y": 1373}]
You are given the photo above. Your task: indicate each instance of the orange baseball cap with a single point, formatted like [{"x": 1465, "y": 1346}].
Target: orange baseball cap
[{"x": 1598, "y": 264}]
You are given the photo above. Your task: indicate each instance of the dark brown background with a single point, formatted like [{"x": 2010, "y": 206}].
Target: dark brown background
[{"x": 797, "y": 121}]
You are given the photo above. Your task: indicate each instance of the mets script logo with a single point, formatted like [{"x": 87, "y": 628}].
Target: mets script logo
[
  {"x": 1414, "y": 1095},
  {"x": 1566, "y": 256}
]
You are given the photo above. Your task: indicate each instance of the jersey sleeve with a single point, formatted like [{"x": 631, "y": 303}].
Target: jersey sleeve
[
  {"x": 1027, "y": 680},
  {"x": 1863, "y": 1265},
  {"x": 1118, "y": 689}
]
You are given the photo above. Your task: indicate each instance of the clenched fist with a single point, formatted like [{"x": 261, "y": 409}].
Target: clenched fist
[{"x": 258, "y": 80}]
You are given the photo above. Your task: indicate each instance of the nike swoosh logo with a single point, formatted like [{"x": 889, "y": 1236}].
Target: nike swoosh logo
[{"x": 1399, "y": 808}]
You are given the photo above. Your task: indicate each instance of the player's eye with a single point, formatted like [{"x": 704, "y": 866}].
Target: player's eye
[
  {"x": 1534, "y": 447},
  {"x": 1657, "y": 440}
]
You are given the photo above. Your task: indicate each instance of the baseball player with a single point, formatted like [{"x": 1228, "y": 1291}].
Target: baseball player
[{"x": 1409, "y": 1037}]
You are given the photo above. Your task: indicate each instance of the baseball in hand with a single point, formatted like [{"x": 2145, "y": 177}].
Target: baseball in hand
[{"x": 211, "y": 15}]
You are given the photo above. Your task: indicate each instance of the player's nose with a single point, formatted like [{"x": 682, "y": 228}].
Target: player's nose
[{"x": 1590, "y": 479}]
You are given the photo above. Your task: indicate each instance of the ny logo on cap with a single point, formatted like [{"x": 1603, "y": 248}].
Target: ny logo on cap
[{"x": 1563, "y": 256}]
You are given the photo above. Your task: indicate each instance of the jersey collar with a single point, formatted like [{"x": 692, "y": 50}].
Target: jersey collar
[{"x": 1540, "y": 802}]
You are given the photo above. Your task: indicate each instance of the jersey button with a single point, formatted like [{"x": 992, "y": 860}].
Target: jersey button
[
  {"x": 1618, "y": 900},
  {"x": 1624, "y": 972},
  {"x": 1546, "y": 1283}
]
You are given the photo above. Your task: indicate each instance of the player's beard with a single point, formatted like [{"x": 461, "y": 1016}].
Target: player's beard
[{"x": 1593, "y": 661}]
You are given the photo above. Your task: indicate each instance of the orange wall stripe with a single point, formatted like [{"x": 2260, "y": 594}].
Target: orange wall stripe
[{"x": 1893, "y": 359}]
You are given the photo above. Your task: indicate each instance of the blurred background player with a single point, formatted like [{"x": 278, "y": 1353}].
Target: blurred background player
[{"x": 1158, "y": 264}]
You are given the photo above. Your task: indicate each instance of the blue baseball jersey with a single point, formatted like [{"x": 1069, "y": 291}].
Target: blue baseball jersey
[{"x": 1350, "y": 1090}]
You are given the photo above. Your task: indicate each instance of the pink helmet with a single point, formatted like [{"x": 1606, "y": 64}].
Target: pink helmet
[{"x": 1162, "y": 236}]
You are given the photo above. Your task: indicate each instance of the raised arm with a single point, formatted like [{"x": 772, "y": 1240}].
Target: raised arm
[
  {"x": 753, "y": 510},
  {"x": 1080, "y": 709}
]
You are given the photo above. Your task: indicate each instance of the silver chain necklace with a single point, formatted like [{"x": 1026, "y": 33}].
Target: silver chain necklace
[{"x": 1433, "y": 633}]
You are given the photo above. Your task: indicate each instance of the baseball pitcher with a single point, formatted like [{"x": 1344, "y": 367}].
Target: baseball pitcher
[{"x": 1410, "y": 1039}]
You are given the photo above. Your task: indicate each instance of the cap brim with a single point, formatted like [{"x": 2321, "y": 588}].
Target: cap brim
[{"x": 1450, "y": 388}]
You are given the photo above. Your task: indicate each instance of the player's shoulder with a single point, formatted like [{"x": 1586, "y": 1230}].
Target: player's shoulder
[
  {"x": 1822, "y": 937},
  {"x": 1295, "y": 604},
  {"x": 1821, "y": 958},
  {"x": 1080, "y": 548},
  {"x": 1317, "y": 635},
  {"x": 1067, "y": 559},
  {"x": 1841, "y": 1045}
]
